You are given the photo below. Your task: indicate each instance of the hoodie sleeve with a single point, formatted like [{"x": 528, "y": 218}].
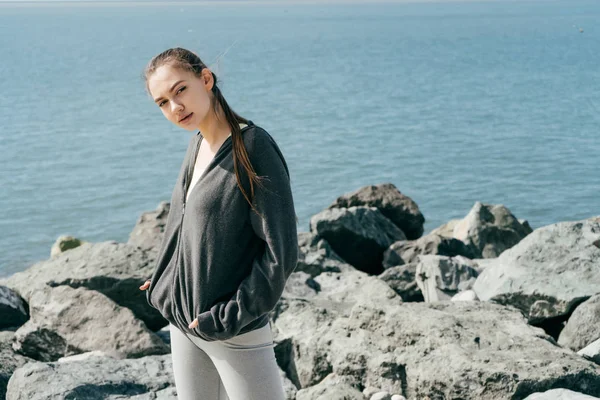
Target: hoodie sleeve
[{"x": 260, "y": 291}]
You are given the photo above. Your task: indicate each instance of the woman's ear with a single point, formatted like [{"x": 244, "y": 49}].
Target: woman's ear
[{"x": 207, "y": 79}]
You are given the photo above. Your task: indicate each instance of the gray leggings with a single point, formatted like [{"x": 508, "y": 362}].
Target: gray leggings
[{"x": 240, "y": 368}]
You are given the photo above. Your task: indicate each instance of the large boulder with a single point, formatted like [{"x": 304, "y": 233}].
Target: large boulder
[
  {"x": 397, "y": 207},
  {"x": 559, "y": 394},
  {"x": 549, "y": 273},
  {"x": 466, "y": 295},
  {"x": 439, "y": 277},
  {"x": 402, "y": 279},
  {"x": 408, "y": 251},
  {"x": 446, "y": 229},
  {"x": 338, "y": 294},
  {"x": 591, "y": 351},
  {"x": 333, "y": 387},
  {"x": 150, "y": 227},
  {"x": 66, "y": 321},
  {"x": 9, "y": 360},
  {"x": 407, "y": 348},
  {"x": 12, "y": 308},
  {"x": 114, "y": 269},
  {"x": 359, "y": 235},
  {"x": 491, "y": 229},
  {"x": 148, "y": 377},
  {"x": 317, "y": 256},
  {"x": 99, "y": 375},
  {"x": 583, "y": 326}
]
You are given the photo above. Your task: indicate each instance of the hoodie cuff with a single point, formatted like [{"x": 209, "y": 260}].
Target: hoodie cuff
[{"x": 207, "y": 328}]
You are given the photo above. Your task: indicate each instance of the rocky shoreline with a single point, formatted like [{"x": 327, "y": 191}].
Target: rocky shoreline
[{"x": 483, "y": 307}]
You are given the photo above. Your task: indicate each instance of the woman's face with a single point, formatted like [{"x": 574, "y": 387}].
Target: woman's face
[{"x": 180, "y": 94}]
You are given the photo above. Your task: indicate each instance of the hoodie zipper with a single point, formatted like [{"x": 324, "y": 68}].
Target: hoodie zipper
[
  {"x": 178, "y": 247},
  {"x": 176, "y": 265},
  {"x": 177, "y": 254}
]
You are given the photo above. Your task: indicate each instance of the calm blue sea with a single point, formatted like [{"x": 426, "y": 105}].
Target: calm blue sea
[{"x": 454, "y": 103}]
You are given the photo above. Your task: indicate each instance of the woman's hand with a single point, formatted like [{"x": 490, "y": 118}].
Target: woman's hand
[{"x": 145, "y": 285}]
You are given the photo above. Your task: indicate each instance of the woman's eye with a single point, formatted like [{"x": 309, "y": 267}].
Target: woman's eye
[{"x": 178, "y": 91}]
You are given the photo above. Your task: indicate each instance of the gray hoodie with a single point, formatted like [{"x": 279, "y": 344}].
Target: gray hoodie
[{"x": 218, "y": 260}]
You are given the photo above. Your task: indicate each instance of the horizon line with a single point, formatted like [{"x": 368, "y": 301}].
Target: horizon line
[{"x": 280, "y": 2}]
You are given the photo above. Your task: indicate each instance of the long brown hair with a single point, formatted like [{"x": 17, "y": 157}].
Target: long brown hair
[{"x": 190, "y": 61}]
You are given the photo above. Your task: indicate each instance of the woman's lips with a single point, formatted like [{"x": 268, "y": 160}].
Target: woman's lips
[{"x": 187, "y": 119}]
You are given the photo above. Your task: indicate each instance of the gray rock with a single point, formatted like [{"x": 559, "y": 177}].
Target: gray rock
[
  {"x": 288, "y": 387},
  {"x": 447, "y": 229},
  {"x": 311, "y": 242},
  {"x": 397, "y": 207},
  {"x": 148, "y": 377},
  {"x": 359, "y": 235},
  {"x": 300, "y": 284},
  {"x": 467, "y": 295},
  {"x": 64, "y": 243},
  {"x": 548, "y": 273},
  {"x": 164, "y": 334},
  {"x": 333, "y": 387},
  {"x": 408, "y": 251},
  {"x": 317, "y": 256},
  {"x": 591, "y": 351},
  {"x": 12, "y": 308},
  {"x": 369, "y": 391},
  {"x": 559, "y": 394},
  {"x": 39, "y": 343},
  {"x": 9, "y": 360},
  {"x": 525, "y": 224},
  {"x": 468, "y": 284},
  {"x": 306, "y": 239},
  {"x": 90, "y": 354},
  {"x": 66, "y": 321},
  {"x": 381, "y": 396},
  {"x": 97, "y": 375},
  {"x": 482, "y": 263},
  {"x": 408, "y": 347},
  {"x": 583, "y": 326},
  {"x": 491, "y": 229},
  {"x": 116, "y": 270},
  {"x": 150, "y": 227},
  {"x": 438, "y": 277},
  {"x": 338, "y": 294},
  {"x": 402, "y": 280}
]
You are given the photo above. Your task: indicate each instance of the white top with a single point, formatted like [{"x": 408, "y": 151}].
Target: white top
[{"x": 198, "y": 171}]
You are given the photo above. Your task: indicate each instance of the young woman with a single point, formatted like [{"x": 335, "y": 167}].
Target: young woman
[{"x": 230, "y": 240}]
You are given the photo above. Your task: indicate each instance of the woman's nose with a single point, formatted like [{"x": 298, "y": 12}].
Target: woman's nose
[{"x": 175, "y": 107}]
